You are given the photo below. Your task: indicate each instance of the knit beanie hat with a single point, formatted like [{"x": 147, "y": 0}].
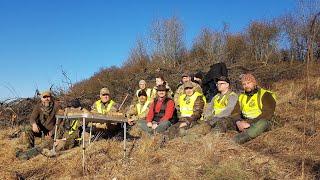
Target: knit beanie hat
[{"x": 248, "y": 77}]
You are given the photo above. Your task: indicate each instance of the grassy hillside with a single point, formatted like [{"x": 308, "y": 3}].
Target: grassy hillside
[{"x": 277, "y": 154}]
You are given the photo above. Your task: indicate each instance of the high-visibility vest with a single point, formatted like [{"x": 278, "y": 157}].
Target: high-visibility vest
[
  {"x": 220, "y": 105},
  {"x": 186, "y": 107},
  {"x": 141, "y": 109},
  {"x": 252, "y": 108},
  {"x": 73, "y": 126},
  {"x": 148, "y": 91},
  {"x": 104, "y": 110}
]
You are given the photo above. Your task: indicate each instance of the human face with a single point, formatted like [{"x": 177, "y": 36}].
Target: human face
[
  {"x": 189, "y": 91},
  {"x": 248, "y": 86},
  {"x": 142, "y": 85},
  {"x": 186, "y": 79},
  {"x": 223, "y": 86},
  {"x": 161, "y": 94},
  {"x": 46, "y": 100},
  {"x": 142, "y": 99},
  {"x": 104, "y": 97}
]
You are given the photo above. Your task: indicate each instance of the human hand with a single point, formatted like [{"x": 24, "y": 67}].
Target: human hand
[
  {"x": 130, "y": 122},
  {"x": 242, "y": 125},
  {"x": 48, "y": 136},
  {"x": 154, "y": 126},
  {"x": 184, "y": 124},
  {"x": 35, "y": 128},
  {"x": 149, "y": 124}
]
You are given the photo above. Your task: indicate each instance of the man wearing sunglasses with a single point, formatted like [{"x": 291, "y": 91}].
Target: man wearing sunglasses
[
  {"x": 221, "y": 105},
  {"x": 42, "y": 123}
]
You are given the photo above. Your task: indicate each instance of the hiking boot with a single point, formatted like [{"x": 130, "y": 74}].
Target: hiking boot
[
  {"x": 28, "y": 154},
  {"x": 241, "y": 138}
]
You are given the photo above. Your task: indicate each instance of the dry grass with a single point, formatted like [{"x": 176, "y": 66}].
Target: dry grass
[{"x": 276, "y": 154}]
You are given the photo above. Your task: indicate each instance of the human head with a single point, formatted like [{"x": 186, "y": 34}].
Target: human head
[
  {"x": 104, "y": 95},
  {"x": 46, "y": 98},
  {"x": 188, "y": 88},
  {"x": 185, "y": 77},
  {"x": 142, "y": 84},
  {"x": 162, "y": 90},
  {"x": 223, "y": 84},
  {"x": 142, "y": 96},
  {"x": 159, "y": 80},
  {"x": 249, "y": 82},
  {"x": 198, "y": 77}
]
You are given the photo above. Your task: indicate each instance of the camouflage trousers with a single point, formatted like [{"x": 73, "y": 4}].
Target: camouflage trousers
[
  {"x": 46, "y": 143},
  {"x": 29, "y": 137}
]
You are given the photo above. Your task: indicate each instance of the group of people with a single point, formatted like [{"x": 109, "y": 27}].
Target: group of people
[
  {"x": 250, "y": 113},
  {"x": 158, "y": 110}
]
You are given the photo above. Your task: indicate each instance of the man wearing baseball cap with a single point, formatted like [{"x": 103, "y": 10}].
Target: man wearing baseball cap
[
  {"x": 221, "y": 105},
  {"x": 185, "y": 77},
  {"x": 42, "y": 123},
  {"x": 191, "y": 104},
  {"x": 139, "y": 110},
  {"x": 105, "y": 104},
  {"x": 254, "y": 110}
]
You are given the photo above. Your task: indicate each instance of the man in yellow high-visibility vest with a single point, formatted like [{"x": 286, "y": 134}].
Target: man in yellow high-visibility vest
[
  {"x": 105, "y": 105},
  {"x": 221, "y": 105},
  {"x": 254, "y": 110},
  {"x": 185, "y": 77},
  {"x": 139, "y": 110},
  {"x": 191, "y": 104}
]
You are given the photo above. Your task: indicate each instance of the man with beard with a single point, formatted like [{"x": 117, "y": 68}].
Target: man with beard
[
  {"x": 254, "y": 110},
  {"x": 42, "y": 123}
]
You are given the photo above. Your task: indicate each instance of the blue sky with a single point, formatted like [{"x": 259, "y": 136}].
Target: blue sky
[{"x": 38, "y": 38}]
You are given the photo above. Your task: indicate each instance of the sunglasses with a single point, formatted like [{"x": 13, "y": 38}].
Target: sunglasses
[
  {"x": 218, "y": 84},
  {"x": 44, "y": 97},
  {"x": 105, "y": 94},
  {"x": 188, "y": 88}
]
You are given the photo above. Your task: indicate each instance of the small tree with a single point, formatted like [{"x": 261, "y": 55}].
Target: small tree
[
  {"x": 168, "y": 39},
  {"x": 235, "y": 47},
  {"x": 262, "y": 40},
  {"x": 210, "y": 44}
]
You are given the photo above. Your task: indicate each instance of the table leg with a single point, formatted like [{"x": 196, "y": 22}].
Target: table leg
[
  {"x": 124, "y": 139},
  {"x": 55, "y": 135},
  {"x": 83, "y": 144},
  {"x": 90, "y": 134}
]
